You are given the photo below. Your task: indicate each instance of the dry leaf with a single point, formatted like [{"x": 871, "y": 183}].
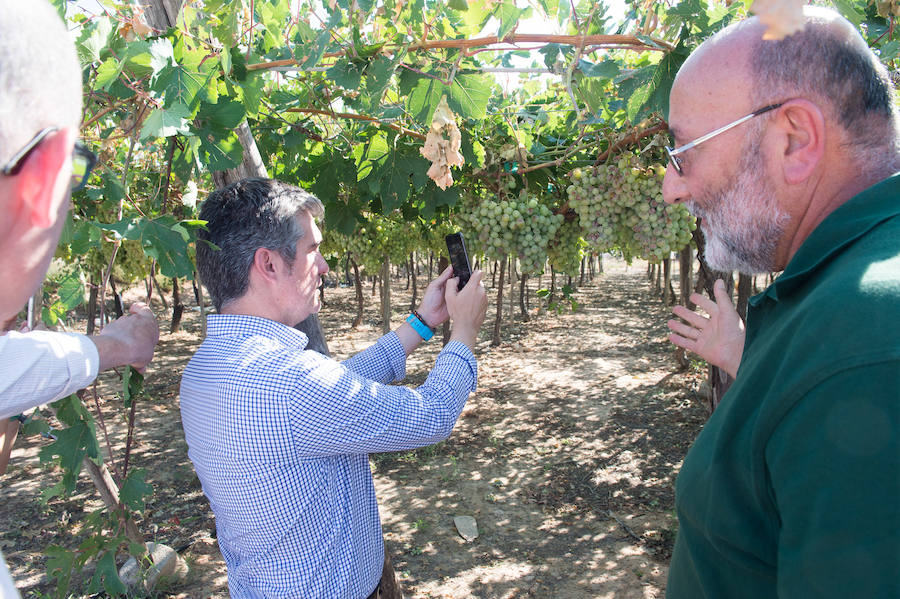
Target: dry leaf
[
  {"x": 781, "y": 17},
  {"x": 441, "y": 145}
]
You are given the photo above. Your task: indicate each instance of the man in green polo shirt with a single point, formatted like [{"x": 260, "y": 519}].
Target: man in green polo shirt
[{"x": 786, "y": 150}]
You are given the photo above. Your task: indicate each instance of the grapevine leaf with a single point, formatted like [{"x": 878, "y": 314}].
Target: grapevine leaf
[
  {"x": 341, "y": 217},
  {"x": 72, "y": 445},
  {"x": 60, "y": 564},
  {"x": 225, "y": 115},
  {"x": 219, "y": 154},
  {"x": 435, "y": 197},
  {"x": 607, "y": 69},
  {"x": 138, "y": 58},
  {"x": 469, "y": 95},
  {"x": 164, "y": 122},
  {"x": 852, "y": 11},
  {"x": 689, "y": 12},
  {"x": 368, "y": 156},
  {"x": 508, "y": 14},
  {"x": 60, "y": 6},
  {"x": 395, "y": 179},
  {"x": 253, "y": 91},
  {"x": 472, "y": 150},
  {"x": 93, "y": 39},
  {"x": 35, "y": 426},
  {"x": 108, "y": 73},
  {"x": 79, "y": 235},
  {"x": 316, "y": 49},
  {"x": 127, "y": 228},
  {"x": 71, "y": 291},
  {"x": 378, "y": 77},
  {"x": 889, "y": 50},
  {"x": 107, "y": 572},
  {"x": 346, "y": 73},
  {"x": 182, "y": 81},
  {"x": 166, "y": 246},
  {"x": 423, "y": 98},
  {"x": 663, "y": 77},
  {"x": 162, "y": 55},
  {"x": 475, "y": 17},
  {"x": 134, "y": 488},
  {"x": 132, "y": 385},
  {"x": 551, "y": 53},
  {"x": 460, "y": 5}
]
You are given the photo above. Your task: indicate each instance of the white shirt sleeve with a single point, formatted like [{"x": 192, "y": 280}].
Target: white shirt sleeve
[
  {"x": 7, "y": 588},
  {"x": 43, "y": 366}
]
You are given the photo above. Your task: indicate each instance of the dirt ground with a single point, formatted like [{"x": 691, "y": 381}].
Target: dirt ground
[{"x": 566, "y": 457}]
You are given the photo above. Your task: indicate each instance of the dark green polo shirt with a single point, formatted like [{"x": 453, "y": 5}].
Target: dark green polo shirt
[{"x": 792, "y": 489}]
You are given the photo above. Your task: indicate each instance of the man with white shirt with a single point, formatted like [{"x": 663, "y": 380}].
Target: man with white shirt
[{"x": 40, "y": 164}]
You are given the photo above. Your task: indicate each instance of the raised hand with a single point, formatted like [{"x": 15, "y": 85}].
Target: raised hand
[
  {"x": 433, "y": 307},
  {"x": 129, "y": 340},
  {"x": 717, "y": 338},
  {"x": 467, "y": 308}
]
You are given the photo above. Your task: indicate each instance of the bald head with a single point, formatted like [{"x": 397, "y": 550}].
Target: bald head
[
  {"x": 40, "y": 77},
  {"x": 827, "y": 62}
]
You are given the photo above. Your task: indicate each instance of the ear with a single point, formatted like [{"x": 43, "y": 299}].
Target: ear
[
  {"x": 37, "y": 183},
  {"x": 803, "y": 126},
  {"x": 267, "y": 265}
]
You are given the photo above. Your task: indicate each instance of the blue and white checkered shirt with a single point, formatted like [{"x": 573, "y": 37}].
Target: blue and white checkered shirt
[{"x": 280, "y": 437}]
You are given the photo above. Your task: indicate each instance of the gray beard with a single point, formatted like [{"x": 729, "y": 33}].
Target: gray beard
[{"x": 743, "y": 223}]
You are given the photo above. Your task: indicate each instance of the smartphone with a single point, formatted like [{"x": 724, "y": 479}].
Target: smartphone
[{"x": 459, "y": 259}]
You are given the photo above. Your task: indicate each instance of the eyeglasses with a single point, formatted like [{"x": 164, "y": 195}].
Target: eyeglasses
[
  {"x": 83, "y": 160},
  {"x": 673, "y": 154}
]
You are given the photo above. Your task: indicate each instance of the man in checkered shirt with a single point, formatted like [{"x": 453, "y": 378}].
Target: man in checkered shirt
[{"x": 280, "y": 435}]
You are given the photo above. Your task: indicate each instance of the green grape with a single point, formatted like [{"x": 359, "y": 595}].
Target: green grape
[
  {"x": 620, "y": 206},
  {"x": 520, "y": 226}
]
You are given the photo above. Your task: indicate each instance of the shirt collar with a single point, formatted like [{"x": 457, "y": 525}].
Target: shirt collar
[
  {"x": 230, "y": 325},
  {"x": 850, "y": 221}
]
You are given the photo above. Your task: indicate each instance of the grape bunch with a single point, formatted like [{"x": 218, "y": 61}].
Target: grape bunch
[
  {"x": 435, "y": 234},
  {"x": 620, "y": 206},
  {"x": 515, "y": 225},
  {"x": 887, "y": 9},
  {"x": 567, "y": 249},
  {"x": 377, "y": 238}
]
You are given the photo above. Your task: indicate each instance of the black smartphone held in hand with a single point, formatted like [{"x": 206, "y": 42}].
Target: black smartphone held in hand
[{"x": 459, "y": 259}]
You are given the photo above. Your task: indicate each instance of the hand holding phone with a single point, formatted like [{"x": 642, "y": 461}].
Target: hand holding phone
[{"x": 459, "y": 259}]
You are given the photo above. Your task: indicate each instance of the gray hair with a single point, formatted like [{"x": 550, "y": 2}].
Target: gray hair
[
  {"x": 829, "y": 63},
  {"x": 40, "y": 77},
  {"x": 241, "y": 218}
]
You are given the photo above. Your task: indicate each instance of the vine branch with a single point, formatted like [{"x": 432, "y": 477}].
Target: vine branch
[
  {"x": 594, "y": 41},
  {"x": 359, "y": 117}
]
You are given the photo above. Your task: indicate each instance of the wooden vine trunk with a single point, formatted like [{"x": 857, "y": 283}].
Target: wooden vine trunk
[
  {"x": 522, "y": 289},
  {"x": 357, "y": 283},
  {"x": 495, "y": 339},
  {"x": 415, "y": 286},
  {"x": 386, "y": 296},
  {"x": 685, "y": 279}
]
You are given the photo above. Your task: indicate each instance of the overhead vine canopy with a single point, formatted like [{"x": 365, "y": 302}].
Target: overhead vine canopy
[{"x": 340, "y": 94}]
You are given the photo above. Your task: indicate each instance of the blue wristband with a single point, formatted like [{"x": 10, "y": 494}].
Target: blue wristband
[{"x": 420, "y": 327}]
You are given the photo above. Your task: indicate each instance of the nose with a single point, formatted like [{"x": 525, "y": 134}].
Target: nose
[
  {"x": 674, "y": 189},
  {"x": 323, "y": 265}
]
